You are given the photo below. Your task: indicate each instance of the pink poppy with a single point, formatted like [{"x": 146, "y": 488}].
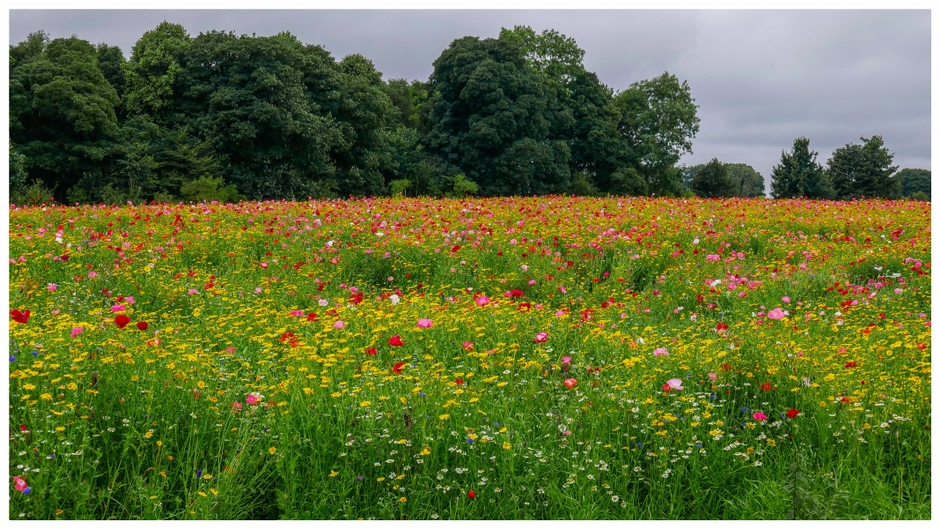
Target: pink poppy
[
  {"x": 674, "y": 383},
  {"x": 570, "y": 383},
  {"x": 541, "y": 337},
  {"x": 482, "y": 301},
  {"x": 662, "y": 351},
  {"x": 425, "y": 323},
  {"x": 712, "y": 376},
  {"x": 253, "y": 398},
  {"x": 340, "y": 324},
  {"x": 760, "y": 416},
  {"x": 51, "y": 287},
  {"x": 776, "y": 314},
  {"x": 566, "y": 360},
  {"x": 297, "y": 313},
  {"x": 77, "y": 330}
]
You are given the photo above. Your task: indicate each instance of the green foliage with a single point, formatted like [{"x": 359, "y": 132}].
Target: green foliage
[
  {"x": 18, "y": 173},
  {"x": 913, "y": 181},
  {"x": 798, "y": 174},
  {"x": 209, "y": 189},
  {"x": 657, "y": 121},
  {"x": 408, "y": 99},
  {"x": 62, "y": 110},
  {"x": 153, "y": 69},
  {"x": 463, "y": 186},
  {"x": 398, "y": 187},
  {"x": 864, "y": 170},
  {"x": 748, "y": 183},
  {"x": 712, "y": 181},
  {"x": 35, "y": 194},
  {"x": 920, "y": 195},
  {"x": 490, "y": 117}
]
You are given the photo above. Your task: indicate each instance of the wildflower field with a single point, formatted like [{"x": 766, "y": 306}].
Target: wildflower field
[{"x": 514, "y": 358}]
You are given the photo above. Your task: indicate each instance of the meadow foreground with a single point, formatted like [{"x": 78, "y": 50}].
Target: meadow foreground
[{"x": 514, "y": 358}]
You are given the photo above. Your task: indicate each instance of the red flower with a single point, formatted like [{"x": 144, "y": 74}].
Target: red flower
[
  {"x": 121, "y": 321},
  {"x": 471, "y": 495},
  {"x": 765, "y": 386},
  {"x": 792, "y": 412},
  {"x": 850, "y": 364},
  {"x": 721, "y": 326},
  {"x": 515, "y": 293},
  {"x": 397, "y": 368},
  {"x": 459, "y": 382},
  {"x": 455, "y": 248},
  {"x": 356, "y": 299},
  {"x": 726, "y": 367},
  {"x": 312, "y": 316},
  {"x": 290, "y": 339},
  {"x": 208, "y": 286},
  {"x": 396, "y": 341},
  {"x": 371, "y": 351},
  {"x": 19, "y": 317},
  {"x": 142, "y": 325}
]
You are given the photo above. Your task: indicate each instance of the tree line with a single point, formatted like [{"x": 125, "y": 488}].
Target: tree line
[{"x": 225, "y": 117}]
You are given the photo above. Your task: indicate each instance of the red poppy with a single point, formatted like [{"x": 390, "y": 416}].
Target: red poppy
[
  {"x": 312, "y": 316},
  {"x": 142, "y": 325},
  {"x": 121, "y": 321},
  {"x": 515, "y": 293},
  {"x": 356, "y": 299},
  {"x": 721, "y": 326},
  {"x": 19, "y": 317},
  {"x": 850, "y": 364},
  {"x": 471, "y": 495},
  {"x": 765, "y": 386},
  {"x": 290, "y": 339},
  {"x": 455, "y": 248},
  {"x": 726, "y": 367},
  {"x": 208, "y": 286},
  {"x": 792, "y": 412},
  {"x": 371, "y": 351},
  {"x": 397, "y": 368},
  {"x": 396, "y": 341},
  {"x": 459, "y": 382}
]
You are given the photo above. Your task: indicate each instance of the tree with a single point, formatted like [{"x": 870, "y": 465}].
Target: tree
[
  {"x": 490, "y": 118},
  {"x": 62, "y": 112},
  {"x": 748, "y": 183},
  {"x": 864, "y": 170},
  {"x": 712, "y": 181},
  {"x": 913, "y": 181},
  {"x": 798, "y": 174},
  {"x": 657, "y": 121},
  {"x": 152, "y": 71}
]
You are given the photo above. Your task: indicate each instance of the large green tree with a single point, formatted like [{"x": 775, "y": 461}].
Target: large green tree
[
  {"x": 713, "y": 181},
  {"x": 62, "y": 112},
  {"x": 864, "y": 170},
  {"x": 658, "y": 119},
  {"x": 913, "y": 181},
  {"x": 799, "y": 175},
  {"x": 491, "y": 116}
]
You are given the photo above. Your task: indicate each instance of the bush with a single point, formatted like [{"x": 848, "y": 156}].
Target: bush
[{"x": 208, "y": 188}]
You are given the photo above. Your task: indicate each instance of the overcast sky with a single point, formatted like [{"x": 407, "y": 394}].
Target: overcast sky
[{"x": 760, "y": 78}]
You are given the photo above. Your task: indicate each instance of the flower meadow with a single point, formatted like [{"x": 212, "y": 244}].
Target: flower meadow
[{"x": 513, "y": 358}]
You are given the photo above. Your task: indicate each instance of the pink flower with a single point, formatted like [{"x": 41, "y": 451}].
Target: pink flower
[
  {"x": 570, "y": 383},
  {"x": 563, "y": 290},
  {"x": 559, "y": 314},
  {"x": 92, "y": 275},
  {"x": 340, "y": 324},
  {"x": 130, "y": 300},
  {"x": 253, "y": 398},
  {"x": 192, "y": 291},
  {"x": 482, "y": 301},
  {"x": 51, "y": 287},
  {"x": 760, "y": 416},
  {"x": 541, "y": 337},
  {"x": 117, "y": 308},
  {"x": 776, "y": 314},
  {"x": 230, "y": 350},
  {"x": 674, "y": 383},
  {"x": 662, "y": 351},
  {"x": 236, "y": 406},
  {"x": 785, "y": 299},
  {"x": 468, "y": 345},
  {"x": 297, "y": 313},
  {"x": 566, "y": 360},
  {"x": 77, "y": 330},
  {"x": 712, "y": 376},
  {"x": 425, "y": 323},
  {"x": 20, "y": 485}
]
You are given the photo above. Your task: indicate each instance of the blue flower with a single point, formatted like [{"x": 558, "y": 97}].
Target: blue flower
[
  {"x": 12, "y": 358},
  {"x": 199, "y": 473}
]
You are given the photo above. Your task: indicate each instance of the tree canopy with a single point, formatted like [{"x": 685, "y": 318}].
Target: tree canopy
[
  {"x": 799, "y": 175},
  {"x": 864, "y": 170}
]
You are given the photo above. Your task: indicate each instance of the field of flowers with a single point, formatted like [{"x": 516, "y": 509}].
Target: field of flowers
[{"x": 516, "y": 358}]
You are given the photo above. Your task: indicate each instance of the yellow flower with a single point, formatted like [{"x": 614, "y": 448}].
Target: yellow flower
[
  {"x": 272, "y": 450},
  {"x": 207, "y": 476},
  {"x": 506, "y": 445},
  {"x": 365, "y": 403},
  {"x": 159, "y": 443},
  {"x": 149, "y": 434},
  {"x": 333, "y": 473},
  {"x": 444, "y": 417},
  {"x": 402, "y": 499}
]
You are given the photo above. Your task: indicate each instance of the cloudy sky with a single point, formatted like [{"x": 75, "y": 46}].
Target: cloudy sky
[{"x": 760, "y": 78}]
